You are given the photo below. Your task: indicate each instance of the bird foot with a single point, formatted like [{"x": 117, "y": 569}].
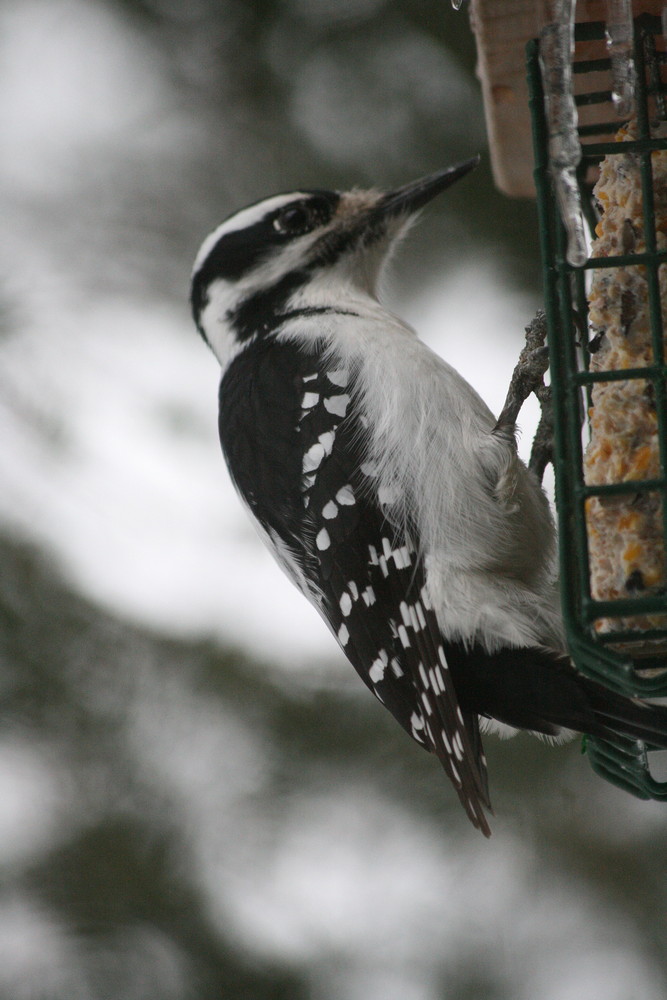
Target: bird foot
[{"x": 527, "y": 378}]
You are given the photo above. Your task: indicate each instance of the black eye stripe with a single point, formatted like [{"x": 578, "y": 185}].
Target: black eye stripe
[
  {"x": 240, "y": 251},
  {"x": 293, "y": 220},
  {"x": 303, "y": 216}
]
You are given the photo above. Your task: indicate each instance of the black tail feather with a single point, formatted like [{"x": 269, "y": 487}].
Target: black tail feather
[
  {"x": 540, "y": 691},
  {"x": 613, "y": 713}
]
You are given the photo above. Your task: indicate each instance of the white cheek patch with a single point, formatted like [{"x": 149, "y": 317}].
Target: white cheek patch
[{"x": 222, "y": 295}]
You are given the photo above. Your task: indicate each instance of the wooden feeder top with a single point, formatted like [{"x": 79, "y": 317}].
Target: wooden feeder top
[{"x": 502, "y": 29}]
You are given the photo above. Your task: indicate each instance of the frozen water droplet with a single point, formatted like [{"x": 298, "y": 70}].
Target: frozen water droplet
[{"x": 620, "y": 46}]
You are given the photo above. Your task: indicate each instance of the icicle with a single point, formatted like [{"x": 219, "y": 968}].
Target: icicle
[
  {"x": 556, "y": 52},
  {"x": 457, "y": 4},
  {"x": 569, "y": 203},
  {"x": 619, "y": 36}
]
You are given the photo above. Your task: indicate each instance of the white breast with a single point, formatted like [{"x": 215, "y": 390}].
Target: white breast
[{"x": 484, "y": 524}]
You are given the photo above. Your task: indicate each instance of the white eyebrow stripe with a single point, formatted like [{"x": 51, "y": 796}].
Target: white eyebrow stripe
[{"x": 241, "y": 220}]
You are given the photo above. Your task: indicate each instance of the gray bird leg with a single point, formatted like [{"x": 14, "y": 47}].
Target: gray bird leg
[{"x": 527, "y": 377}]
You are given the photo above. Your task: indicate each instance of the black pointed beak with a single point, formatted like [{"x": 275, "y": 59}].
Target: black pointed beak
[{"x": 411, "y": 197}]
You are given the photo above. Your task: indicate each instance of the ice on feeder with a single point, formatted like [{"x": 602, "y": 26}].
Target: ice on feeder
[
  {"x": 556, "y": 52},
  {"x": 569, "y": 204},
  {"x": 619, "y": 35}
]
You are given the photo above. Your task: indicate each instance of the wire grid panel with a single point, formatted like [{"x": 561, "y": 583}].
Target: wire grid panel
[{"x": 619, "y": 639}]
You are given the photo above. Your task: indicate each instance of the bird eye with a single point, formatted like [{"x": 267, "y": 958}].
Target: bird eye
[{"x": 294, "y": 220}]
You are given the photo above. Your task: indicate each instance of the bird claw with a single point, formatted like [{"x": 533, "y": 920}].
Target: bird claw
[{"x": 527, "y": 378}]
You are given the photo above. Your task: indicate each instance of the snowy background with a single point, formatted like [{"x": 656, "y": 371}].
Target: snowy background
[{"x": 178, "y": 820}]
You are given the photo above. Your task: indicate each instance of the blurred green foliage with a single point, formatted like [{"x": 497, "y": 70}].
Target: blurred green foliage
[{"x": 116, "y": 876}]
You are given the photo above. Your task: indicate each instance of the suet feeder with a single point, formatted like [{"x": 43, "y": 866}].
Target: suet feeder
[{"x": 592, "y": 107}]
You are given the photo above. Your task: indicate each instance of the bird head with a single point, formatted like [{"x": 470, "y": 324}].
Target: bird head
[{"x": 303, "y": 250}]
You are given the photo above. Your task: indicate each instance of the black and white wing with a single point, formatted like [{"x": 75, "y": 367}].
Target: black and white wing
[{"x": 328, "y": 529}]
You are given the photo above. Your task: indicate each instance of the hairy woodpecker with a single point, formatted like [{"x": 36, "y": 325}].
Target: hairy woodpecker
[{"x": 384, "y": 486}]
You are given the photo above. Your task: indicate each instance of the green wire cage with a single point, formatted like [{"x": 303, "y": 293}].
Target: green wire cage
[{"x": 630, "y": 660}]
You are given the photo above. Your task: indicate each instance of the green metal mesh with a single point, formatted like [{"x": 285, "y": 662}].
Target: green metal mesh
[{"x": 615, "y": 658}]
